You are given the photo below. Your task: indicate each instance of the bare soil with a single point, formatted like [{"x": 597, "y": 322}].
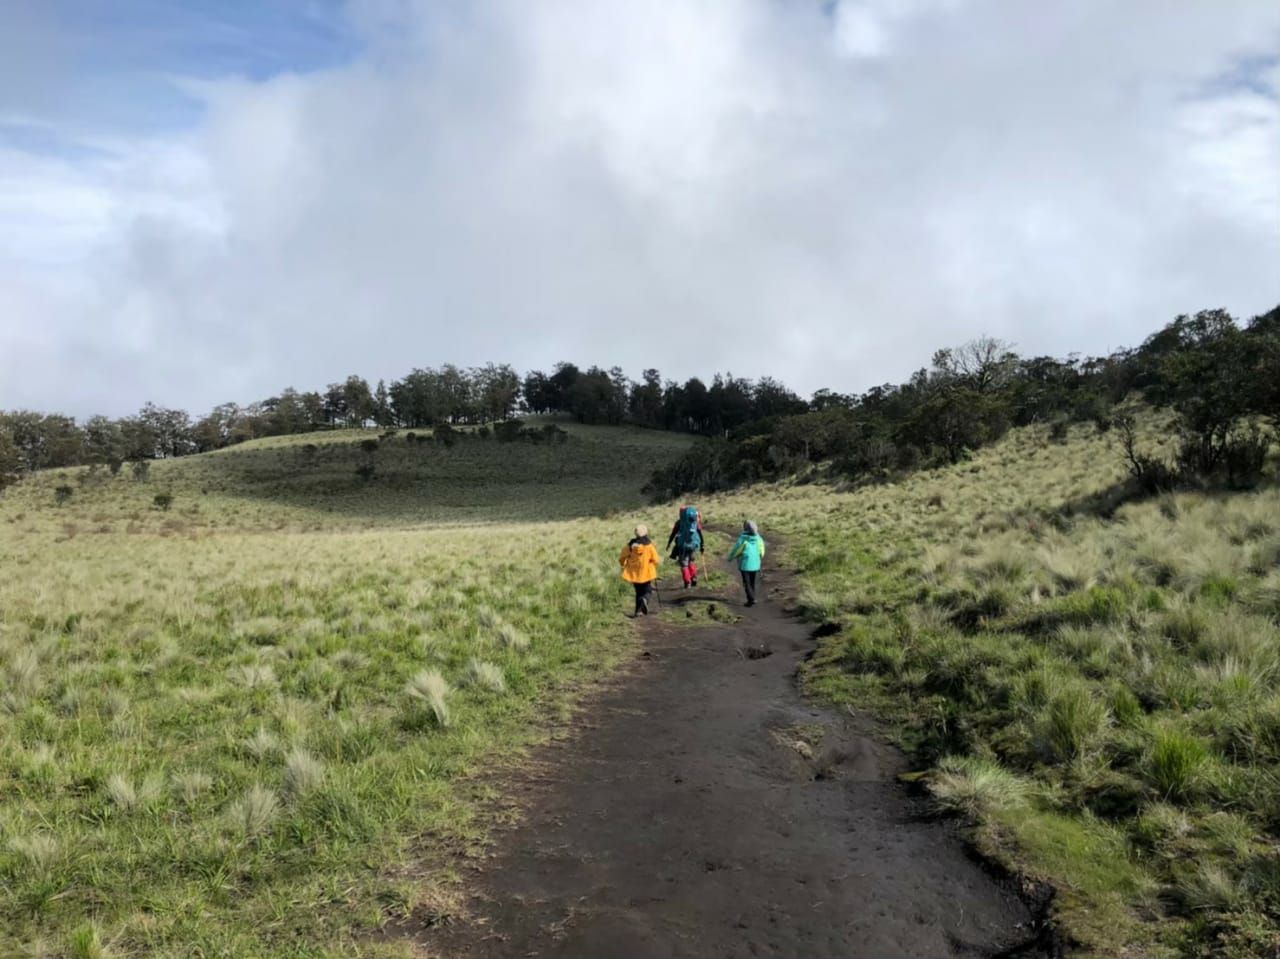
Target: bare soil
[{"x": 702, "y": 807}]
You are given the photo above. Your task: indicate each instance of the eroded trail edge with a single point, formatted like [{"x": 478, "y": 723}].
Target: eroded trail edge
[{"x": 702, "y": 807}]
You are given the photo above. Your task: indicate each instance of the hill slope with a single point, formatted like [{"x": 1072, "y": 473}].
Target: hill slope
[
  {"x": 1099, "y": 689},
  {"x": 241, "y": 725}
]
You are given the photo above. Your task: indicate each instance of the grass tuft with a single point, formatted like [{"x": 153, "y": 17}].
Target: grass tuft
[
  {"x": 1176, "y": 762},
  {"x": 486, "y": 675},
  {"x": 86, "y": 943},
  {"x": 253, "y": 813},
  {"x": 1071, "y": 725},
  {"x": 431, "y": 690},
  {"x": 976, "y": 786},
  {"x": 302, "y": 773}
]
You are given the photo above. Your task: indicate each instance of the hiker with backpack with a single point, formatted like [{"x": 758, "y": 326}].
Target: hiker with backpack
[
  {"x": 749, "y": 549},
  {"x": 686, "y": 534},
  {"x": 639, "y": 561}
]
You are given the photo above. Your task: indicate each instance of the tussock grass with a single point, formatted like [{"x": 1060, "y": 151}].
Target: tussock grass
[
  {"x": 1072, "y": 724},
  {"x": 253, "y": 813},
  {"x": 1176, "y": 763},
  {"x": 486, "y": 675},
  {"x": 302, "y": 773},
  {"x": 1116, "y": 664},
  {"x": 976, "y": 786},
  {"x": 431, "y": 690},
  {"x": 86, "y": 943}
]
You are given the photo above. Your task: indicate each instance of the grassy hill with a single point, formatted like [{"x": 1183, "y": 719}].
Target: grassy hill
[
  {"x": 241, "y": 725},
  {"x": 1096, "y": 683}
]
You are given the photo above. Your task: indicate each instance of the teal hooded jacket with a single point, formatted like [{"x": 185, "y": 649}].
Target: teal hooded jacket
[{"x": 749, "y": 549}]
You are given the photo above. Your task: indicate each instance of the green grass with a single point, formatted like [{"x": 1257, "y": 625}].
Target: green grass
[
  {"x": 245, "y": 725},
  {"x": 1097, "y": 687}
]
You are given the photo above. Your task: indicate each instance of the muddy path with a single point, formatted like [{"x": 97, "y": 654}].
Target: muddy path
[{"x": 702, "y": 808}]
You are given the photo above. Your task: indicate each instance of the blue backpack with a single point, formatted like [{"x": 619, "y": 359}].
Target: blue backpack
[{"x": 689, "y": 536}]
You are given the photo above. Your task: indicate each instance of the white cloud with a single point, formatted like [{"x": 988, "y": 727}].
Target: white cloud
[{"x": 705, "y": 185}]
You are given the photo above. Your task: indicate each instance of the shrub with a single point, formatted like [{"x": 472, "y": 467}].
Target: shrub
[
  {"x": 142, "y": 470},
  {"x": 62, "y": 495},
  {"x": 1176, "y": 762},
  {"x": 1244, "y": 455},
  {"x": 162, "y": 501},
  {"x": 366, "y": 471},
  {"x": 1150, "y": 474},
  {"x": 369, "y": 446},
  {"x": 508, "y": 431}
]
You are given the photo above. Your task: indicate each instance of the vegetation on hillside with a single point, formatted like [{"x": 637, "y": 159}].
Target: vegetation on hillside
[
  {"x": 1095, "y": 679},
  {"x": 1214, "y": 373},
  {"x": 969, "y": 397},
  {"x": 238, "y": 722}
]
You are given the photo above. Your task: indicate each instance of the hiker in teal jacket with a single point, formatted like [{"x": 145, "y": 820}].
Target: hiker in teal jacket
[{"x": 749, "y": 550}]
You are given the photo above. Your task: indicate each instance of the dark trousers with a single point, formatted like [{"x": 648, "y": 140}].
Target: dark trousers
[
  {"x": 642, "y": 597},
  {"x": 749, "y": 584}
]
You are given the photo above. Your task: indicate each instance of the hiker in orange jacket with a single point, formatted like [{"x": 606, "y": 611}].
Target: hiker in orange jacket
[{"x": 639, "y": 561}]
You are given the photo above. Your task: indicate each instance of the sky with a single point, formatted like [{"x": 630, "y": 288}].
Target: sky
[{"x": 205, "y": 201}]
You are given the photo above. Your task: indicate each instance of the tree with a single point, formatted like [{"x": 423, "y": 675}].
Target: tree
[
  {"x": 538, "y": 392},
  {"x": 985, "y": 364},
  {"x": 382, "y": 413},
  {"x": 40, "y": 441},
  {"x": 168, "y": 430},
  {"x": 645, "y": 402},
  {"x": 728, "y": 403},
  {"x": 10, "y": 460},
  {"x": 592, "y": 396},
  {"x": 103, "y": 441},
  {"x": 336, "y": 410},
  {"x": 359, "y": 399},
  {"x": 457, "y": 393},
  {"x": 563, "y": 381},
  {"x": 498, "y": 390},
  {"x": 214, "y": 431},
  {"x": 770, "y": 398}
]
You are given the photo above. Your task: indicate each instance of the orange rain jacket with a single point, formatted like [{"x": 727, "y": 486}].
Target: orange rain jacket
[{"x": 639, "y": 561}]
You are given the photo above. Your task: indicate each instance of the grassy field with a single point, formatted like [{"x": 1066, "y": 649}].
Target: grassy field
[
  {"x": 1098, "y": 687},
  {"x": 242, "y": 725}
]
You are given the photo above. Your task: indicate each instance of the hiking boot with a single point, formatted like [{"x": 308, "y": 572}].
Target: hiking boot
[{"x": 694, "y": 581}]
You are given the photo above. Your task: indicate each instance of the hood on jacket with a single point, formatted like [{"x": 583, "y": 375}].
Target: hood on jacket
[{"x": 640, "y": 541}]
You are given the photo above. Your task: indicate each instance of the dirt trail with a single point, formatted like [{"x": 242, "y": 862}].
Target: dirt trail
[{"x": 704, "y": 809}]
